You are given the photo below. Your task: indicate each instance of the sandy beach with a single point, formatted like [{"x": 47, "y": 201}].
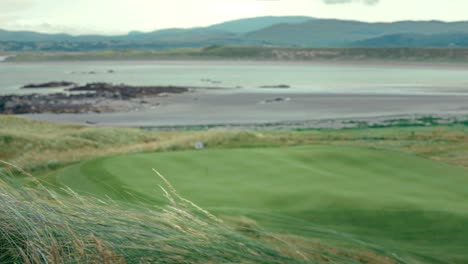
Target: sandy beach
[{"x": 222, "y": 108}]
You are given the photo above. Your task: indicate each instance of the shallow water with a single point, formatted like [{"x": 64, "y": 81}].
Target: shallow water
[{"x": 246, "y": 76}]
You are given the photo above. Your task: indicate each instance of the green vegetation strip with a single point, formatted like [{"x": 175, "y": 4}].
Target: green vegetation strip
[
  {"x": 412, "y": 206},
  {"x": 243, "y": 52}
]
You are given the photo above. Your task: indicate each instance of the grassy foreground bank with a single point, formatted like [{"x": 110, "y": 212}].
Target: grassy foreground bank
[
  {"x": 367, "y": 195},
  {"x": 40, "y": 226}
]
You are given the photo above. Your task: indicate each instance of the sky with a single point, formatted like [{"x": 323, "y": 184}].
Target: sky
[{"x": 122, "y": 16}]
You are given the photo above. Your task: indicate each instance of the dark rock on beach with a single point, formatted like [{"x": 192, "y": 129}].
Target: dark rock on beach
[
  {"x": 93, "y": 97},
  {"x": 49, "y": 85},
  {"x": 124, "y": 91},
  {"x": 53, "y": 103},
  {"x": 279, "y": 86},
  {"x": 276, "y": 100}
]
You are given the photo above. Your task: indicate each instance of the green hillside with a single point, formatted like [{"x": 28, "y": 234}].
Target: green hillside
[
  {"x": 416, "y": 40},
  {"x": 220, "y": 52}
]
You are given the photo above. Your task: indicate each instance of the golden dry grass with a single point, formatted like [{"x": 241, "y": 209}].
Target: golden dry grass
[{"x": 41, "y": 145}]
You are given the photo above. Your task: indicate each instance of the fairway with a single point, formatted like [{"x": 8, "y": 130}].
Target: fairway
[{"x": 406, "y": 203}]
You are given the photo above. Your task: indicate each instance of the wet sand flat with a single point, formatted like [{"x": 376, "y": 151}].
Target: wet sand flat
[{"x": 209, "y": 108}]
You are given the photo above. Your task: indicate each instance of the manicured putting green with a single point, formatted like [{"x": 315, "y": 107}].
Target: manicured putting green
[
  {"x": 402, "y": 201},
  {"x": 280, "y": 179}
]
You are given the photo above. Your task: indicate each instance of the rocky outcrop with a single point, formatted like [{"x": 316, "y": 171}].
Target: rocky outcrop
[
  {"x": 49, "y": 85},
  {"x": 276, "y": 100},
  {"x": 279, "y": 86},
  {"x": 53, "y": 103},
  {"x": 93, "y": 97},
  {"x": 124, "y": 92}
]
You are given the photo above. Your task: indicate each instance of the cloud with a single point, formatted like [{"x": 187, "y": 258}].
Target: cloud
[
  {"x": 366, "y": 2},
  {"x": 44, "y": 27},
  {"x": 10, "y": 6}
]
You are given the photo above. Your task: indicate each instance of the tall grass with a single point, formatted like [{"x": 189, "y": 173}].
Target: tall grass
[{"x": 39, "y": 225}]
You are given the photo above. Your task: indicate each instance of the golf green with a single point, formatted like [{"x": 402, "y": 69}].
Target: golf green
[{"x": 406, "y": 203}]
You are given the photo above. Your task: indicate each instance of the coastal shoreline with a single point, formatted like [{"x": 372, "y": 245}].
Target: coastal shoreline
[{"x": 250, "y": 110}]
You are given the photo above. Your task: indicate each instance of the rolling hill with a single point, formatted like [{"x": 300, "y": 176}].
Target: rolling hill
[
  {"x": 222, "y": 30},
  {"x": 338, "y": 33},
  {"x": 289, "y": 31},
  {"x": 241, "y": 26}
]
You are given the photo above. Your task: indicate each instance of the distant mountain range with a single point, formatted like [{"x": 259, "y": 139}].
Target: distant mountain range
[
  {"x": 290, "y": 31},
  {"x": 340, "y": 33}
]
